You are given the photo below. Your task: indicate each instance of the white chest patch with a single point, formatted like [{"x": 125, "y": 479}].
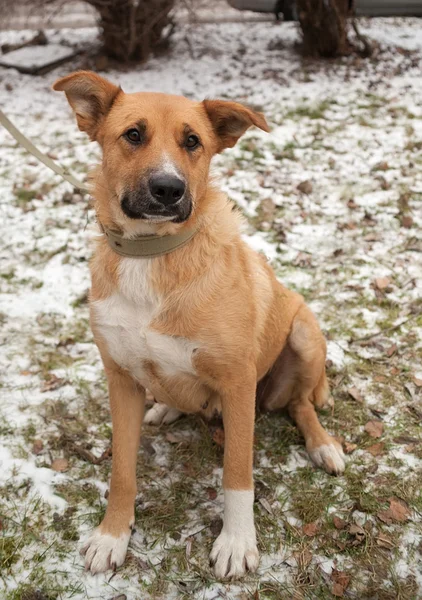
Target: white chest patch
[{"x": 123, "y": 320}]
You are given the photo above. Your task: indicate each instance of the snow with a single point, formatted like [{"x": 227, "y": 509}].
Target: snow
[{"x": 372, "y": 113}]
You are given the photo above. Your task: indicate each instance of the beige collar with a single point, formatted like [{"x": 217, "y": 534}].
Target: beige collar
[{"x": 146, "y": 246}]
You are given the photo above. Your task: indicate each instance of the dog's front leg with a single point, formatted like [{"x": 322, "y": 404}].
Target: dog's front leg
[
  {"x": 235, "y": 551},
  {"x": 107, "y": 546}
]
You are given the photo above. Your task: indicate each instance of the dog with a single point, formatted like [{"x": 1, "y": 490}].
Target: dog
[{"x": 200, "y": 319}]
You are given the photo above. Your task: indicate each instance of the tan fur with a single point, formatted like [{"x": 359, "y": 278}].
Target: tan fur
[{"x": 215, "y": 291}]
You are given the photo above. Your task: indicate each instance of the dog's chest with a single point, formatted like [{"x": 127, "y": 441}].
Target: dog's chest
[{"x": 124, "y": 321}]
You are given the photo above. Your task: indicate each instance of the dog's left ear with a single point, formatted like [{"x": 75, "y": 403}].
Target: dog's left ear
[
  {"x": 90, "y": 96},
  {"x": 230, "y": 120}
]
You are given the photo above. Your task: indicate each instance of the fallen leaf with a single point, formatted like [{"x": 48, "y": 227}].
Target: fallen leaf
[
  {"x": 60, "y": 464},
  {"x": 173, "y": 439},
  {"x": 340, "y": 578},
  {"x": 310, "y": 529},
  {"x": 266, "y": 210},
  {"x": 391, "y": 350},
  {"x": 376, "y": 449},
  {"x": 374, "y": 428},
  {"x": 218, "y": 437},
  {"x": 382, "y": 282},
  {"x": 339, "y": 523},
  {"x": 358, "y": 533},
  {"x": 52, "y": 383},
  {"x": 212, "y": 493},
  {"x": 381, "y": 166},
  {"x": 337, "y": 590},
  {"x": 305, "y": 187},
  {"x": 349, "y": 447},
  {"x": 356, "y": 530},
  {"x": 216, "y": 526},
  {"x": 355, "y": 394},
  {"x": 398, "y": 511},
  {"x": 417, "y": 381},
  {"x": 406, "y": 221},
  {"x": 37, "y": 447},
  {"x": 384, "y": 541},
  {"x": 265, "y": 504}
]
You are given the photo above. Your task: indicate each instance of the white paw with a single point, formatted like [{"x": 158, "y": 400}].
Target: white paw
[
  {"x": 103, "y": 551},
  {"x": 161, "y": 413},
  {"x": 233, "y": 555},
  {"x": 330, "y": 457}
]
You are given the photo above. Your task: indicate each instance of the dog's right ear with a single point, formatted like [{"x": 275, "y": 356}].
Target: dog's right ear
[{"x": 90, "y": 96}]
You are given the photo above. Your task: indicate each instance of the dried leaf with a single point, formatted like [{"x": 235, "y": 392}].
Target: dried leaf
[
  {"x": 384, "y": 541},
  {"x": 339, "y": 523},
  {"x": 406, "y": 221},
  {"x": 216, "y": 526},
  {"x": 52, "y": 383},
  {"x": 265, "y": 504},
  {"x": 37, "y": 447},
  {"x": 341, "y": 579},
  {"x": 374, "y": 428},
  {"x": 60, "y": 464},
  {"x": 310, "y": 529},
  {"x": 355, "y": 394},
  {"x": 382, "y": 282},
  {"x": 381, "y": 166},
  {"x": 398, "y": 511},
  {"x": 376, "y": 449},
  {"x": 348, "y": 447},
  {"x": 358, "y": 533},
  {"x": 391, "y": 350},
  {"x": 173, "y": 439},
  {"x": 218, "y": 437},
  {"x": 211, "y": 492},
  {"x": 305, "y": 187},
  {"x": 417, "y": 381}
]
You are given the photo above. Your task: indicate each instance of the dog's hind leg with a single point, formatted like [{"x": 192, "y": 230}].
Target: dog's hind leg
[
  {"x": 297, "y": 382},
  {"x": 311, "y": 389}
]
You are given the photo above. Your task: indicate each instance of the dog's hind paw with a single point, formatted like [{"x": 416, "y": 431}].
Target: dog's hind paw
[
  {"x": 329, "y": 456},
  {"x": 161, "y": 413}
]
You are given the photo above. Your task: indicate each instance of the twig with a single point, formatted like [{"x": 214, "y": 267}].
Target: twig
[
  {"x": 368, "y": 48},
  {"x": 382, "y": 331}
]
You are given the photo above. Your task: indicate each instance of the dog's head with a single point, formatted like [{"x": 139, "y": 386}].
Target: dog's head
[{"x": 156, "y": 148}]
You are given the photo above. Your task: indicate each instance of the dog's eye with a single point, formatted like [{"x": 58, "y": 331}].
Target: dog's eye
[
  {"x": 133, "y": 136},
  {"x": 192, "y": 142}
]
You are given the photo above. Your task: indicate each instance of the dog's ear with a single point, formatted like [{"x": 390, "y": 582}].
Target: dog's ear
[
  {"x": 90, "y": 96},
  {"x": 230, "y": 120}
]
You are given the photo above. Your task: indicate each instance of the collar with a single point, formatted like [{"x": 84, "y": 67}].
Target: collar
[{"x": 146, "y": 246}]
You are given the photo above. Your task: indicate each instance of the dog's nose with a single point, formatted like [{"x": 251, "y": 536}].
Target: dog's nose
[{"x": 166, "y": 189}]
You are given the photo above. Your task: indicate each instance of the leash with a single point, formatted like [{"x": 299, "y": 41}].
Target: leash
[
  {"x": 147, "y": 246},
  {"x": 32, "y": 149}
]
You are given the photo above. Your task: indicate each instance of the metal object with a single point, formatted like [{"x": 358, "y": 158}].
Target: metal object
[{"x": 373, "y": 8}]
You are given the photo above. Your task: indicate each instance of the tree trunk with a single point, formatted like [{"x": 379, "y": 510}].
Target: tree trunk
[
  {"x": 324, "y": 26},
  {"x": 132, "y": 30}
]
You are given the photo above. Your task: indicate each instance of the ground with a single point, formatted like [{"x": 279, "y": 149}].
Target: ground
[{"x": 332, "y": 196}]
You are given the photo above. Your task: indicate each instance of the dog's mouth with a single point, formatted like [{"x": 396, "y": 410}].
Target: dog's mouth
[{"x": 142, "y": 207}]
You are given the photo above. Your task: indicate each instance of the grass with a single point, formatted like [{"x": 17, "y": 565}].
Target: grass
[{"x": 329, "y": 251}]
